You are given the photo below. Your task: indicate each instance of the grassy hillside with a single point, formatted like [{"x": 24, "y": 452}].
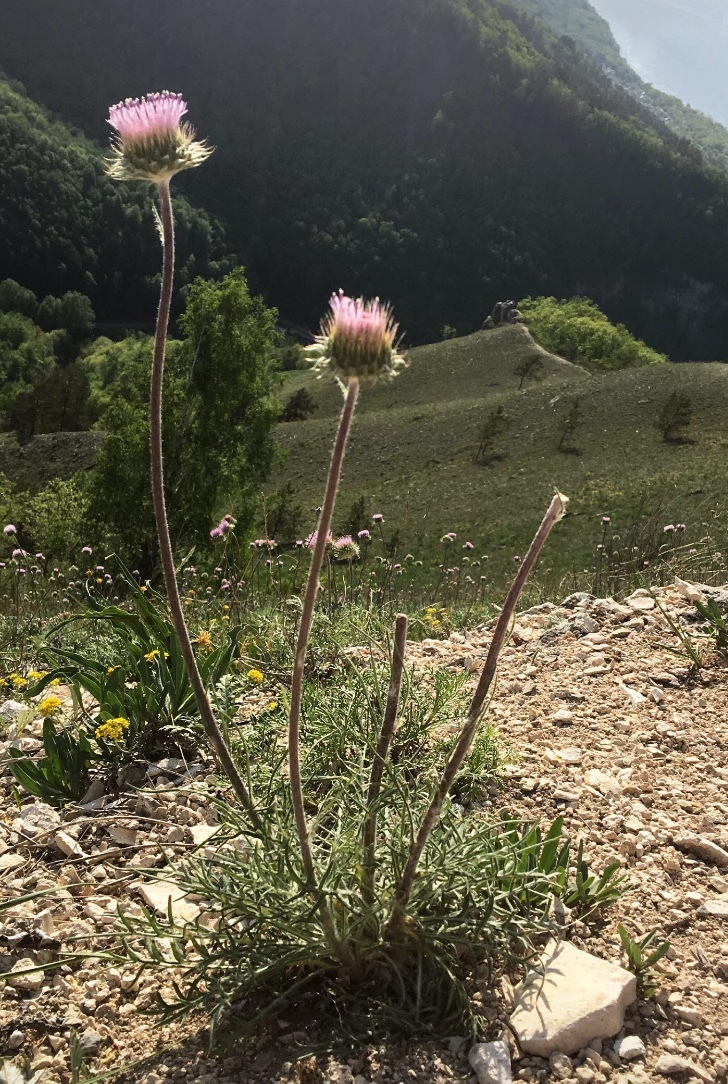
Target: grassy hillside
[{"x": 412, "y": 452}]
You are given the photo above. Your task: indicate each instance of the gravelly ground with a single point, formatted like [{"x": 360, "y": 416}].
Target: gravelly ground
[{"x": 612, "y": 730}]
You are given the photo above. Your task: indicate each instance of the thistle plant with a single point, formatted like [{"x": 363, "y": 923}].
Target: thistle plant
[{"x": 153, "y": 144}]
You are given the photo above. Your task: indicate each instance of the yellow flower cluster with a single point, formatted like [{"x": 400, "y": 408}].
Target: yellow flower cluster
[
  {"x": 113, "y": 729},
  {"x": 152, "y": 655},
  {"x": 48, "y": 706},
  {"x": 434, "y": 617},
  {"x": 36, "y": 675},
  {"x": 204, "y": 639},
  {"x": 17, "y": 681},
  {"x": 255, "y": 676}
]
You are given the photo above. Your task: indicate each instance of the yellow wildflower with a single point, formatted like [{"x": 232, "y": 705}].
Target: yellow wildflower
[
  {"x": 273, "y": 705},
  {"x": 144, "y": 589},
  {"x": 53, "y": 684},
  {"x": 112, "y": 729},
  {"x": 256, "y": 676},
  {"x": 98, "y": 580},
  {"x": 36, "y": 675},
  {"x": 225, "y": 609},
  {"x": 152, "y": 655},
  {"x": 17, "y": 681},
  {"x": 204, "y": 639},
  {"x": 110, "y": 669},
  {"x": 48, "y": 706}
]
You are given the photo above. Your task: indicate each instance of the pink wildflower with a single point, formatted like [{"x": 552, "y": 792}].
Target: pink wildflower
[
  {"x": 10, "y": 528},
  {"x": 357, "y": 339},
  {"x": 364, "y": 536},
  {"x": 215, "y": 533},
  {"x": 87, "y": 550},
  {"x": 152, "y": 143},
  {"x": 377, "y": 518},
  {"x": 313, "y": 539}
]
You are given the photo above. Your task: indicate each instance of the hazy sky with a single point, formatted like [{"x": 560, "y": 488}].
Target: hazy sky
[{"x": 680, "y": 46}]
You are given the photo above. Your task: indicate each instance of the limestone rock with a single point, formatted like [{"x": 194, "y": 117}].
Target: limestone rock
[
  {"x": 573, "y": 998},
  {"x": 23, "y": 977},
  {"x": 674, "y": 1065},
  {"x": 10, "y": 709},
  {"x": 703, "y": 848},
  {"x": 717, "y": 908},
  {"x": 629, "y": 1048},
  {"x": 158, "y": 894},
  {"x": 491, "y": 1062}
]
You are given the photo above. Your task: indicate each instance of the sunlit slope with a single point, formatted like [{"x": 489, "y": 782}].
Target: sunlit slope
[
  {"x": 412, "y": 452},
  {"x": 472, "y": 367}
]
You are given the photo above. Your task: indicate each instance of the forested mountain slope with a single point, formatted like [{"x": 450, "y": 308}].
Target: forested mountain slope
[
  {"x": 579, "y": 20},
  {"x": 65, "y": 226},
  {"x": 442, "y": 153}
]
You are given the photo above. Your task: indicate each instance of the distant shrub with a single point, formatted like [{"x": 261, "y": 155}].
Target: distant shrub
[
  {"x": 569, "y": 423},
  {"x": 579, "y": 331},
  {"x": 300, "y": 406},
  {"x": 674, "y": 417},
  {"x": 449, "y": 332},
  {"x": 530, "y": 368},
  {"x": 492, "y": 428}
]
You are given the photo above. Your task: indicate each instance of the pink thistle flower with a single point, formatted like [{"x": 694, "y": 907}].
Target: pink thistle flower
[
  {"x": 668, "y": 528},
  {"x": 468, "y": 546},
  {"x": 606, "y": 519},
  {"x": 87, "y": 550},
  {"x": 152, "y": 143},
  {"x": 364, "y": 536},
  {"x": 377, "y": 518},
  {"x": 216, "y": 533},
  {"x": 313, "y": 539},
  {"x": 345, "y": 548},
  {"x": 10, "y": 528},
  {"x": 19, "y": 553},
  {"x": 357, "y": 339}
]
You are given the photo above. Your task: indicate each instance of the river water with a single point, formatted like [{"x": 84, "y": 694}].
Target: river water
[{"x": 680, "y": 46}]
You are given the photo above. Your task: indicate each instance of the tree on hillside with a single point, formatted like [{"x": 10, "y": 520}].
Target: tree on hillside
[
  {"x": 568, "y": 424},
  {"x": 219, "y": 421},
  {"x": 674, "y": 417},
  {"x": 300, "y": 406},
  {"x": 494, "y": 426},
  {"x": 530, "y": 368},
  {"x": 577, "y": 329}
]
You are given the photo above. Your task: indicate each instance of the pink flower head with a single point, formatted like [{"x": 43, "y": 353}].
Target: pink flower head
[
  {"x": 680, "y": 527},
  {"x": 10, "y": 528},
  {"x": 606, "y": 519},
  {"x": 668, "y": 528},
  {"x": 377, "y": 518},
  {"x": 357, "y": 339},
  {"x": 345, "y": 548},
  {"x": 313, "y": 539},
  {"x": 19, "y": 553},
  {"x": 364, "y": 536},
  {"x": 152, "y": 143},
  {"x": 215, "y": 533},
  {"x": 468, "y": 546},
  {"x": 87, "y": 550}
]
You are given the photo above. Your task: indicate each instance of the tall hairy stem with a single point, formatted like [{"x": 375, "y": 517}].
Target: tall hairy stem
[
  {"x": 369, "y": 831},
  {"x": 403, "y": 891},
  {"x": 209, "y": 722},
  {"x": 304, "y": 631}
]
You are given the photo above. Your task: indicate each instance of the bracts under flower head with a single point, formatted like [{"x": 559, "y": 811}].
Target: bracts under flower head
[
  {"x": 357, "y": 339},
  {"x": 152, "y": 143}
]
